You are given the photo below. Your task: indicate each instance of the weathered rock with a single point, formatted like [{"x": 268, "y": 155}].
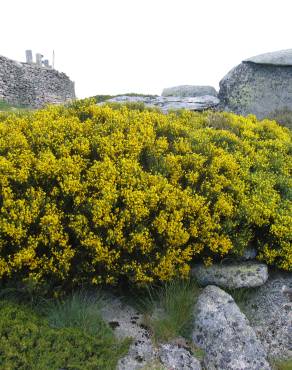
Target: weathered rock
[
  {"x": 189, "y": 91},
  {"x": 269, "y": 311},
  {"x": 127, "y": 323},
  {"x": 171, "y": 103},
  {"x": 174, "y": 357},
  {"x": 225, "y": 335},
  {"x": 259, "y": 85},
  {"x": 32, "y": 85},
  {"x": 234, "y": 275}
]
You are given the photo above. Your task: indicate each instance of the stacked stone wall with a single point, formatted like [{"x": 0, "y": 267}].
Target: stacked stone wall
[{"x": 32, "y": 85}]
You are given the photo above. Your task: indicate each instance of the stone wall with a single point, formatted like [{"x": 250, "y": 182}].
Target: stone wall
[{"x": 32, "y": 85}]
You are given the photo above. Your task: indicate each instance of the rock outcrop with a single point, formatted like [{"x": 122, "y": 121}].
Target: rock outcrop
[
  {"x": 259, "y": 85},
  {"x": 189, "y": 91},
  {"x": 232, "y": 276},
  {"x": 32, "y": 85},
  {"x": 269, "y": 311},
  {"x": 224, "y": 333},
  {"x": 166, "y": 104},
  {"x": 127, "y": 323}
]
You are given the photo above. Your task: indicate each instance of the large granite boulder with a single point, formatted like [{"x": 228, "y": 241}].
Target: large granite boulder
[
  {"x": 189, "y": 91},
  {"x": 233, "y": 275},
  {"x": 259, "y": 85},
  {"x": 224, "y": 333}
]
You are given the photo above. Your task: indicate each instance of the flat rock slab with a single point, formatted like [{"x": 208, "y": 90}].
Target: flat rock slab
[
  {"x": 236, "y": 275},
  {"x": 224, "y": 333},
  {"x": 276, "y": 58},
  {"x": 167, "y": 104}
]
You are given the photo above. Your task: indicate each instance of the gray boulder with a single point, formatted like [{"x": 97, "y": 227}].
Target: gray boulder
[
  {"x": 259, "y": 85},
  {"x": 235, "y": 275},
  {"x": 225, "y": 335},
  {"x": 189, "y": 91},
  {"x": 175, "y": 357}
]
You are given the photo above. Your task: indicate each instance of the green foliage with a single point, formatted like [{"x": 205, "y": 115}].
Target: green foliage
[
  {"x": 283, "y": 117},
  {"x": 4, "y": 106},
  {"x": 91, "y": 194},
  {"x": 102, "y": 98},
  {"x": 169, "y": 309},
  {"x": 27, "y": 342},
  {"x": 7, "y": 107},
  {"x": 282, "y": 365}
]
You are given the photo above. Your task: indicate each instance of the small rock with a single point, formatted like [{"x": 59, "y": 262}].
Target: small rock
[
  {"x": 224, "y": 333},
  {"x": 177, "y": 358},
  {"x": 235, "y": 275}
]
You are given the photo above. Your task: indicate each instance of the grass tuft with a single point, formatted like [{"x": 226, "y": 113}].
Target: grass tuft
[
  {"x": 168, "y": 310},
  {"x": 79, "y": 310}
]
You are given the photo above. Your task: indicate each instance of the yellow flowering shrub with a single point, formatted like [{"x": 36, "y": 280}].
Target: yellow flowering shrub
[{"x": 96, "y": 194}]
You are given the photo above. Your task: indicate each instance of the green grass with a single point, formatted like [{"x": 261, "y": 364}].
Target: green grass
[
  {"x": 7, "y": 107},
  {"x": 282, "y": 365},
  {"x": 66, "y": 334},
  {"x": 4, "y": 106},
  {"x": 168, "y": 310},
  {"x": 241, "y": 296},
  {"x": 79, "y": 310}
]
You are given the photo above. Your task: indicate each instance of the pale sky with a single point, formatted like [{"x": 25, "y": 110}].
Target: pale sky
[{"x": 119, "y": 46}]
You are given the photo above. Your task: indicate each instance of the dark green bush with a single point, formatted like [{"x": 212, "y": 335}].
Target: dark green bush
[{"x": 27, "y": 342}]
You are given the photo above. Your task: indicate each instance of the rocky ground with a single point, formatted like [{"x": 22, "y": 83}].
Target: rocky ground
[
  {"x": 165, "y": 104},
  {"x": 248, "y": 335}
]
